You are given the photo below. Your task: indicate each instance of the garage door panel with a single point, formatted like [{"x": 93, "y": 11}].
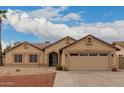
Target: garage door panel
[{"x": 88, "y": 62}]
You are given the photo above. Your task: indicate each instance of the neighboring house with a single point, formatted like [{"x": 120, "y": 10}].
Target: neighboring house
[
  {"x": 88, "y": 53},
  {"x": 120, "y": 53},
  {"x": 119, "y": 45}
]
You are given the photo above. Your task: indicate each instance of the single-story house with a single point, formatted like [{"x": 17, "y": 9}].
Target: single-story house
[
  {"x": 87, "y": 53},
  {"x": 36, "y": 54},
  {"x": 120, "y": 53}
]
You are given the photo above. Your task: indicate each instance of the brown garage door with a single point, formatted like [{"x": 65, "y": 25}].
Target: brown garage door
[
  {"x": 121, "y": 62},
  {"x": 88, "y": 61}
]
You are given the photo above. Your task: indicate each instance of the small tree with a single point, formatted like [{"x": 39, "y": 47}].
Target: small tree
[
  {"x": 2, "y": 15},
  {"x": 7, "y": 47}
]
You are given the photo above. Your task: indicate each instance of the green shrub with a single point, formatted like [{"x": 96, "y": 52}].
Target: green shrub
[
  {"x": 65, "y": 69},
  {"x": 114, "y": 69},
  {"x": 17, "y": 70},
  {"x": 58, "y": 67}
]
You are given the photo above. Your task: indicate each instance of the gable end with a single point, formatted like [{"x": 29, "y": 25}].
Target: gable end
[{"x": 93, "y": 37}]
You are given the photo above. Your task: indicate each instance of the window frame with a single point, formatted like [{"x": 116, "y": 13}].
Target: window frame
[
  {"x": 33, "y": 58},
  {"x": 84, "y": 54},
  {"x": 92, "y": 54},
  {"x": 74, "y": 54},
  {"x": 18, "y": 58},
  {"x": 67, "y": 40},
  {"x": 103, "y": 54},
  {"x": 89, "y": 39}
]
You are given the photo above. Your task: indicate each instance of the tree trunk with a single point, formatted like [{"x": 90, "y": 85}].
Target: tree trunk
[{"x": 1, "y": 62}]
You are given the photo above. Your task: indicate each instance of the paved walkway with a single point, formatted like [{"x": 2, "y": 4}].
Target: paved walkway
[{"x": 63, "y": 79}]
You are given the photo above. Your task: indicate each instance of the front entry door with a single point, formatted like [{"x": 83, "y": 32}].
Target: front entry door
[{"x": 53, "y": 59}]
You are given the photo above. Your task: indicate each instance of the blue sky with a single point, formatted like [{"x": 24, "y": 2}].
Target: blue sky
[{"x": 86, "y": 15}]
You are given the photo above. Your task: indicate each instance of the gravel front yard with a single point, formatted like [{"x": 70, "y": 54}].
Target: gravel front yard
[
  {"x": 27, "y": 76},
  {"x": 10, "y": 71},
  {"x": 43, "y": 80}
]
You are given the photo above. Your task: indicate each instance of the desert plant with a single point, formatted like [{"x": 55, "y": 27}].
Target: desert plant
[
  {"x": 17, "y": 70},
  {"x": 58, "y": 67},
  {"x": 114, "y": 69}
]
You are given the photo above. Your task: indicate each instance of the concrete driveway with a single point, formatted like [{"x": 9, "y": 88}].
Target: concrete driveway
[{"x": 89, "y": 79}]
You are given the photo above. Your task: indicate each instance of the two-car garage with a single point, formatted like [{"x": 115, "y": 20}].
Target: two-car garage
[
  {"x": 88, "y": 61},
  {"x": 89, "y": 53}
]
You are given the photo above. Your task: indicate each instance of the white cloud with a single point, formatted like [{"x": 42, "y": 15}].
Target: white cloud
[
  {"x": 71, "y": 16},
  {"x": 54, "y": 14},
  {"x": 42, "y": 27},
  {"x": 48, "y": 13}
]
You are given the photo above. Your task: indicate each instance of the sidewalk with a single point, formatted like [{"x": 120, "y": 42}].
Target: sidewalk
[{"x": 63, "y": 79}]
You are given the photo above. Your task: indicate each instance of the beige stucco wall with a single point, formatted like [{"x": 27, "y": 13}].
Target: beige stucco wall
[
  {"x": 43, "y": 56},
  {"x": 9, "y": 60},
  {"x": 55, "y": 48},
  {"x": 97, "y": 46}
]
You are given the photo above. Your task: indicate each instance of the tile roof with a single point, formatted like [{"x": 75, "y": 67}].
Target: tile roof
[
  {"x": 95, "y": 38},
  {"x": 59, "y": 41},
  {"x": 41, "y": 45},
  {"x": 37, "y": 45}
]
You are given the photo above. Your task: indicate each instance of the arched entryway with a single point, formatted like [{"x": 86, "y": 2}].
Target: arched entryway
[{"x": 53, "y": 59}]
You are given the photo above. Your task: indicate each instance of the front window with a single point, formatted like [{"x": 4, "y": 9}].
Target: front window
[
  {"x": 33, "y": 58},
  {"x": 83, "y": 54},
  {"x": 102, "y": 54},
  {"x": 92, "y": 54},
  {"x": 74, "y": 54},
  {"x": 18, "y": 58}
]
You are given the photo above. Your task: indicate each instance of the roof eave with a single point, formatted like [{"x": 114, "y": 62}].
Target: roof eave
[
  {"x": 117, "y": 49},
  {"x": 20, "y": 44},
  {"x": 58, "y": 41}
]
